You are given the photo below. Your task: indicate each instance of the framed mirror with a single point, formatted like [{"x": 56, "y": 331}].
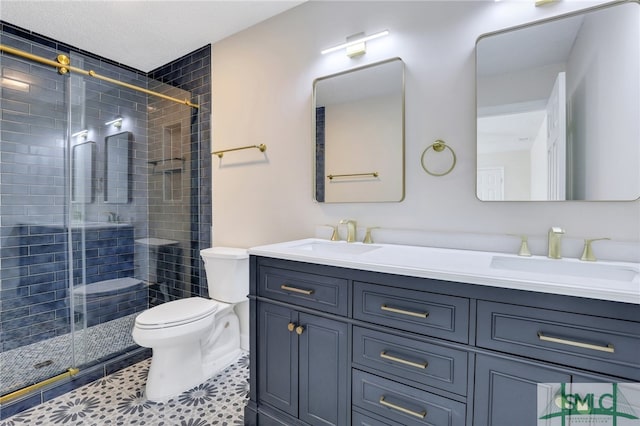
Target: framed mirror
[
  {"x": 83, "y": 172},
  {"x": 117, "y": 168},
  {"x": 558, "y": 108},
  {"x": 359, "y": 134}
]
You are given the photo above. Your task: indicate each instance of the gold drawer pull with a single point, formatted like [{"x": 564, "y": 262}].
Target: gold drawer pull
[
  {"x": 420, "y": 415},
  {"x": 385, "y": 355},
  {"x": 404, "y": 312},
  {"x": 296, "y": 290},
  {"x": 609, "y": 348}
]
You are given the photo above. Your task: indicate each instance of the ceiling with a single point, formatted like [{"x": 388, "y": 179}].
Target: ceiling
[{"x": 140, "y": 34}]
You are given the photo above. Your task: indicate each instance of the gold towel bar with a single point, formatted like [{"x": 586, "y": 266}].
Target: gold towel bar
[
  {"x": 372, "y": 174},
  {"x": 64, "y": 67},
  {"x": 20, "y": 392},
  {"x": 262, "y": 147}
]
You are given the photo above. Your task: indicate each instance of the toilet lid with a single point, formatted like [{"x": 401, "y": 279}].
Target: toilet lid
[{"x": 177, "y": 312}]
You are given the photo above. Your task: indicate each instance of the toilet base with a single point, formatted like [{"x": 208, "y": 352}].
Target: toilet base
[
  {"x": 165, "y": 379},
  {"x": 176, "y": 369}
]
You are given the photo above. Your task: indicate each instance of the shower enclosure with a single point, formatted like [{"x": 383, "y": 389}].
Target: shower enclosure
[{"x": 97, "y": 185}]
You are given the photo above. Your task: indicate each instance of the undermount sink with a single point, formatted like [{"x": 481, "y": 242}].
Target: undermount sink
[
  {"x": 566, "y": 267},
  {"x": 338, "y": 248}
]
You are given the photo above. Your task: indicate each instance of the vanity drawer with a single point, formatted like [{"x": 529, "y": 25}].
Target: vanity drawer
[
  {"x": 325, "y": 293},
  {"x": 421, "y": 312},
  {"x": 426, "y": 363},
  {"x": 359, "y": 419},
  {"x": 403, "y": 404},
  {"x": 604, "y": 345}
]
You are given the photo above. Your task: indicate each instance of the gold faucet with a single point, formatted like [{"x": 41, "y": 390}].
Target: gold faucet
[
  {"x": 587, "y": 253},
  {"x": 351, "y": 229},
  {"x": 555, "y": 238}
]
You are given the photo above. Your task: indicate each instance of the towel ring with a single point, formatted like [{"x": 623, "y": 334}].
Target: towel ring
[{"x": 438, "y": 146}]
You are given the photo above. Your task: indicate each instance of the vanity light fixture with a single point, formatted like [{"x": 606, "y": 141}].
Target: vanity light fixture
[
  {"x": 81, "y": 134},
  {"x": 544, "y": 2},
  {"x": 117, "y": 122},
  {"x": 356, "y": 44}
]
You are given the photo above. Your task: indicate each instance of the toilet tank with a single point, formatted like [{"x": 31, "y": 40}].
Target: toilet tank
[{"x": 227, "y": 272}]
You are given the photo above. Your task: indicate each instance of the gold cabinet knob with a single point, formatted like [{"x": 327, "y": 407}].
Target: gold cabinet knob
[
  {"x": 299, "y": 330},
  {"x": 291, "y": 326}
]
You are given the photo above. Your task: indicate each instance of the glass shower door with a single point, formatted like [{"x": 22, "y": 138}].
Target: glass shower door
[
  {"x": 35, "y": 241},
  {"x": 98, "y": 191}
]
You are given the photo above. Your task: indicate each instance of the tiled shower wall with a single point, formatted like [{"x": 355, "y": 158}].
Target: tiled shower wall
[
  {"x": 34, "y": 272},
  {"x": 34, "y": 301},
  {"x": 34, "y": 297},
  {"x": 193, "y": 74}
]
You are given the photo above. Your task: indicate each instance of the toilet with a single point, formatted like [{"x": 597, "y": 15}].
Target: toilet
[{"x": 194, "y": 338}]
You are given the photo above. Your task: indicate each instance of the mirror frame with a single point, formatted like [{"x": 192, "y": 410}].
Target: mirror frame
[
  {"x": 402, "y": 136},
  {"x": 536, "y": 23},
  {"x": 129, "y": 161}
]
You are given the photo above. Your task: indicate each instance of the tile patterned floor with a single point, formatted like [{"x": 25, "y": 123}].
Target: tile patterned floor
[{"x": 119, "y": 399}]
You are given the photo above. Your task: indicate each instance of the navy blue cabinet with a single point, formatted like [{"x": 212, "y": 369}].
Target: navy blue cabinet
[
  {"x": 338, "y": 346},
  {"x": 303, "y": 365},
  {"x": 506, "y": 390}
]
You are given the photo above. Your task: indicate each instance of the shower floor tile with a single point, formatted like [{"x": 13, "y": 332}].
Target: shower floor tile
[
  {"x": 32, "y": 363},
  {"x": 118, "y": 399}
]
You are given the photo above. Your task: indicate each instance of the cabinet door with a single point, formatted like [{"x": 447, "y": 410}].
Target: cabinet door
[
  {"x": 323, "y": 371},
  {"x": 506, "y": 391},
  {"x": 277, "y": 358}
]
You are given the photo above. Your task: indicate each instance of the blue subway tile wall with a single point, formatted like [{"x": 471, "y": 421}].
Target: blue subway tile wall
[
  {"x": 35, "y": 303},
  {"x": 35, "y": 170},
  {"x": 192, "y": 72},
  {"x": 35, "y": 241}
]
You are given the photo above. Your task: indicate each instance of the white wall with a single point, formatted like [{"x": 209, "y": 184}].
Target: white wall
[{"x": 262, "y": 81}]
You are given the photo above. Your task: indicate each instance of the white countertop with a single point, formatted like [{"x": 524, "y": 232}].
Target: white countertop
[{"x": 604, "y": 280}]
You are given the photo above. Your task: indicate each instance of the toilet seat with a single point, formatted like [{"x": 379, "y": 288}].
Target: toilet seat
[{"x": 177, "y": 312}]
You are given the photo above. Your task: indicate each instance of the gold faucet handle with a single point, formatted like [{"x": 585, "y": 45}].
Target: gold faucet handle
[
  {"x": 334, "y": 233},
  {"x": 367, "y": 236},
  {"x": 524, "y": 245},
  {"x": 587, "y": 253}
]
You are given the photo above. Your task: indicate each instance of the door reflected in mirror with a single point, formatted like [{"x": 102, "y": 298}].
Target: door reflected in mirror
[
  {"x": 359, "y": 134},
  {"x": 558, "y": 108},
  {"x": 117, "y": 168}
]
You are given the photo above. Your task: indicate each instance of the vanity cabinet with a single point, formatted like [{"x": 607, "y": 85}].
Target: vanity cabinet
[
  {"x": 590, "y": 342},
  {"x": 302, "y": 355},
  {"x": 341, "y": 346},
  {"x": 552, "y": 346},
  {"x": 506, "y": 390},
  {"x": 303, "y": 365}
]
